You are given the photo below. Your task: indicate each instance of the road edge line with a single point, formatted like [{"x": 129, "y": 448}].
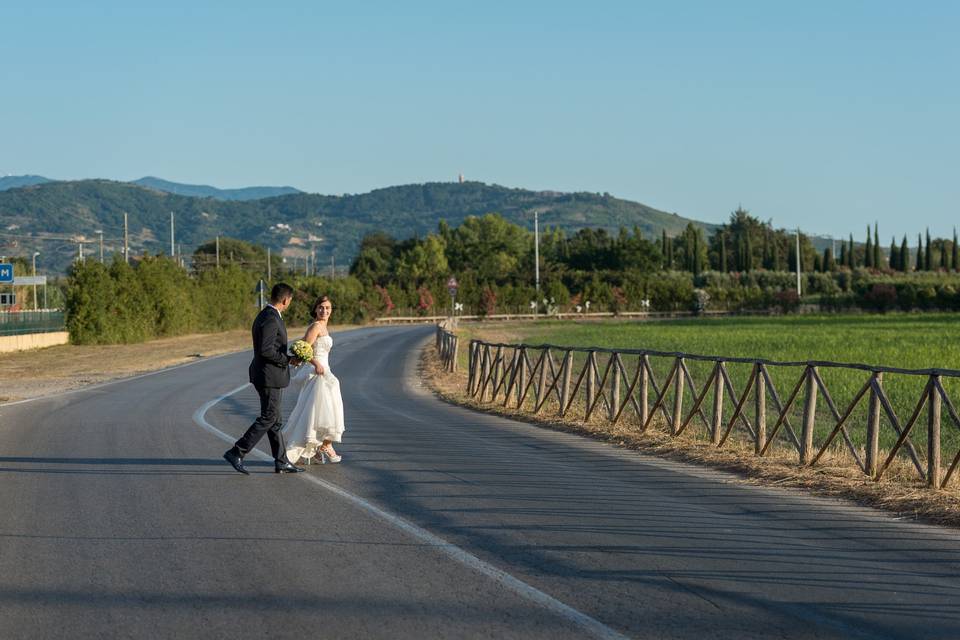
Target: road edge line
[{"x": 594, "y": 627}]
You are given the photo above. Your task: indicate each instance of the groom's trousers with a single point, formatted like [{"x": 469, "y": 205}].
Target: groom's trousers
[{"x": 268, "y": 423}]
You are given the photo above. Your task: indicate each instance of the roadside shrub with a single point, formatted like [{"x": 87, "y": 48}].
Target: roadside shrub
[
  {"x": 787, "y": 300},
  {"x": 881, "y": 297}
]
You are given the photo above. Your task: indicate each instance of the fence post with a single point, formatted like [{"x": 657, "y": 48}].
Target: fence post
[
  {"x": 677, "y": 398},
  {"x": 521, "y": 373},
  {"x": 615, "y": 386},
  {"x": 717, "y": 424},
  {"x": 591, "y": 381},
  {"x": 760, "y": 414},
  {"x": 933, "y": 434},
  {"x": 644, "y": 389},
  {"x": 873, "y": 428},
  {"x": 453, "y": 356},
  {"x": 565, "y": 389},
  {"x": 471, "y": 374},
  {"x": 809, "y": 417}
]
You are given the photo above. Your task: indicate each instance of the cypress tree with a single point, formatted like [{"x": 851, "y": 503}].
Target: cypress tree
[
  {"x": 956, "y": 252},
  {"x": 943, "y": 255},
  {"x": 723, "y": 252},
  {"x": 919, "y": 252},
  {"x": 843, "y": 254},
  {"x": 775, "y": 255},
  {"x": 876, "y": 247},
  {"x": 893, "y": 255},
  {"x": 868, "y": 252},
  {"x": 904, "y": 259},
  {"x": 663, "y": 247},
  {"x": 748, "y": 250},
  {"x": 927, "y": 259},
  {"x": 828, "y": 262},
  {"x": 851, "y": 257},
  {"x": 697, "y": 263},
  {"x": 817, "y": 264}
]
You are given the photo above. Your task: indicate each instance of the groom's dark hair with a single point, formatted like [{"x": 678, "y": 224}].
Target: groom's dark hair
[{"x": 280, "y": 291}]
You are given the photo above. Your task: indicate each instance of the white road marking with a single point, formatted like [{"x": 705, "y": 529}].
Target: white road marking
[{"x": 594, "y": 627}]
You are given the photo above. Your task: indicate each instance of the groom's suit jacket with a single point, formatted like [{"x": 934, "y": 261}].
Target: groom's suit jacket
[{"x": 270, "y": 359}]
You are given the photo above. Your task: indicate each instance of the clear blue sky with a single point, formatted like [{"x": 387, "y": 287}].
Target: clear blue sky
[{"x": 828, "y": 115}]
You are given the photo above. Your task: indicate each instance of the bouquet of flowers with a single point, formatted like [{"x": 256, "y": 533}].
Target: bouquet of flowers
[{"x": 302, "y": 350}]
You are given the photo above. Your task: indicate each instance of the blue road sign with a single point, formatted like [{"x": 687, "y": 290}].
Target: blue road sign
[{"x": 6, "y": 273}]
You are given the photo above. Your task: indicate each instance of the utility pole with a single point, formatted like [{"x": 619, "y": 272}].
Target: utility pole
[
  {"x": 171, "y": 234},
  {"x": 536, "y": 253},
  {"x": 218, "y": 252},
  {"x": 799, "y": 291},
  {"x": 126, "y": 245},
  {"x": 269, "y": 274}
]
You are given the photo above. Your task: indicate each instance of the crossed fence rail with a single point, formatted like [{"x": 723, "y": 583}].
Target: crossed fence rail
[{"x": 607, "y": 384}]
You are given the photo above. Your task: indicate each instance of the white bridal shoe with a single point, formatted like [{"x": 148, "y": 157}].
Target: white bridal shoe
[{"x": 326, "y": 457}]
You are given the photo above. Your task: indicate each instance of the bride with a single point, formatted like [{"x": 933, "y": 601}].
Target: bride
[{"x": 316, "y": 422}]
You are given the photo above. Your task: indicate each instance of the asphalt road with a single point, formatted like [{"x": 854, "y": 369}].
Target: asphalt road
[{"x": 119, "y": 519}]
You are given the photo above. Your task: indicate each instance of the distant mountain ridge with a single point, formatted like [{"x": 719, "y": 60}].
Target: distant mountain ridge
[
  {"x": 151, "y": 182},
  {"x": 53, "y": 217},
  {"x": 206, "y": 191},
  {"x": 15, "y": 182}
]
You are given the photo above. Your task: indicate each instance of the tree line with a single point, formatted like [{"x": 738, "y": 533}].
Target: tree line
[{"x": 744, "y": 265}]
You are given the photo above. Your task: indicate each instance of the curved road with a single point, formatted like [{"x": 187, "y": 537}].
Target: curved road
[{"x": 119, "y": 519}]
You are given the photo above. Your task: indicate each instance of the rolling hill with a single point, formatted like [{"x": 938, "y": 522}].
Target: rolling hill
[
  {"x": 205, "y": 191},
  {"x": 53, "y": 217}
]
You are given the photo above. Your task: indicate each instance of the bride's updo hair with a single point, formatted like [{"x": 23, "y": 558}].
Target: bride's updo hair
[{"x": 316, "y": 305}]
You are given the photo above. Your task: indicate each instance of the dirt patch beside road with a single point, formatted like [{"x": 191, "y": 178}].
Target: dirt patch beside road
[{"x": 40, "y": 372}]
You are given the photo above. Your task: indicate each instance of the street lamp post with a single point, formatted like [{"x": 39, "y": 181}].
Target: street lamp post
[
  {"x": 35, "y": 254},
  {"x": 536, "y": 251},
  {"x": 799, "y": 292}
]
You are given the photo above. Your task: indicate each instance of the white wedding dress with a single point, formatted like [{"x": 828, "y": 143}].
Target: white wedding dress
[{"x": 318, "y": 415}]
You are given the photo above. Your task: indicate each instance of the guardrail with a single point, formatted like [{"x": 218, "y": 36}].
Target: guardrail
[
  {"x": 602, "y": 385},
  {"x": 24, "y": 322},
  {"x": 653, "y": 315},
  {"x": 447, "y": 346}
]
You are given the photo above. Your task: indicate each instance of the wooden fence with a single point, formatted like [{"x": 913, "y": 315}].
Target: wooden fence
[
  {"x": 447, "y": 347},
  {"x": 619, "y": 385}
]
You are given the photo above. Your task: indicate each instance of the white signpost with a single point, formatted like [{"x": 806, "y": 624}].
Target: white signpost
[{"x": 452, "y": 286}]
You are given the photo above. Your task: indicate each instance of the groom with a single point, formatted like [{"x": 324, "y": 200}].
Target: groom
[{"x": 269, "y": 375}]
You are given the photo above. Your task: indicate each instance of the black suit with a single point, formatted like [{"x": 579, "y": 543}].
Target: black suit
[{"x": 269, "y": 374}]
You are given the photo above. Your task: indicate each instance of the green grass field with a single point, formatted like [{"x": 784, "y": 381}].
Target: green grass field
[{"x": 897, "y": 340}]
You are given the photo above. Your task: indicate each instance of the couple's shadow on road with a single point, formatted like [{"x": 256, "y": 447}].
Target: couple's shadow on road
[{"x": 138, "y": 466}]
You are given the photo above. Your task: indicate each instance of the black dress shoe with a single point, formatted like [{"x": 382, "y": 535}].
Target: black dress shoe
[
  {"x": 286, "y": 467},
  {"x": 236, "y": 462}
]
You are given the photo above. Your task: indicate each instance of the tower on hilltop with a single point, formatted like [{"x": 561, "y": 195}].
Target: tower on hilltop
[{"x": 460, "y": 178}]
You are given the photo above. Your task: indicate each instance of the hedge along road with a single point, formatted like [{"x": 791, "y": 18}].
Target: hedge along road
[{"x": 121, "y": 519}]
